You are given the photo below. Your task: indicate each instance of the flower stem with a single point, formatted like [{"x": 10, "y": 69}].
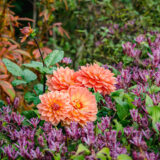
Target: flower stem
[{"x": 44, "y": 65}]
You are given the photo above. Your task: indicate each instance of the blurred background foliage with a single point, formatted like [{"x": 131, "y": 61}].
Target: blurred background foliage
[
  {"x": 86, "y": 30},
  {"x": 90, "y": 30}
]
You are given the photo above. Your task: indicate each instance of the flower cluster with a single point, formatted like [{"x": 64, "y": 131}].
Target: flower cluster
[{"x": 69, "y": 99}]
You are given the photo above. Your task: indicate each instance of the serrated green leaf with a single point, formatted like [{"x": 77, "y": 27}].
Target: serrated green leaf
[
  {"x": 54, "y": 57},
  {"x": 17, "y": 82},
  {"x": 12, "y": 67},
  {"x": 28, "y": 75},
  {"x": 124, "y": 157}
]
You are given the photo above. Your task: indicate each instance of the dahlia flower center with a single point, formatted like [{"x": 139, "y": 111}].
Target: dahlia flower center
[
  {"x": 55, "y": 106},
  {"x": 77, "y": 104}
]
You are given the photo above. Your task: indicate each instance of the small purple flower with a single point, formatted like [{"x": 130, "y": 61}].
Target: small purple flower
[
  {"x": 36, "y": 154},
  {"x": 128, "y": 131},
  {"x": 144, "y": 122},
  {"x": 67, "y": 60},
  {"x": 105, "y": 122},
  {"x": 89, "y": 140},
  {"x": 73, "y": 131},
  {"x": 41, "y": 141},
  {"x": 47, "y": 127},
  {"x": 10, "y": 152},
  {"x": 140, "y": 38},
  {"x": 157, "y": 78},
  {"x": 134, "y": 114},
  {"x": 17, "y": 118},
  {"x": 34, "y": 122}
]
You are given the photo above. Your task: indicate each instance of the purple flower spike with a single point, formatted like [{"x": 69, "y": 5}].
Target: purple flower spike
[
  {"x": 17, "y": 118},
  {"x": 11, "y": 153},
  {"x": 34, "y": 122},
  {"x": 104, "y": 124},
  {"x": 41, "y": 141},
  {"x": 16, "y": 102},
  {"x": 134, "y": 114},
  {"x": 73, "y": 131}
]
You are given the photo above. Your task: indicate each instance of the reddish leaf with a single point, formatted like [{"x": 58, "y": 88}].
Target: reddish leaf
[
  {"x": 3, "y": 68},
  {"x": 8, "y": 89},
  {"x": 4, "y": 76},
  {"x": 22, "y": 52}
]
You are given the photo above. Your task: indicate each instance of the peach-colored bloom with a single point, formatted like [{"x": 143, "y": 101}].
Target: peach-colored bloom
[
  {"x": 54, "y": 106},
  {"x": 84, "y": 106},
  {"x": 61, "y": 79},
  {"x": 96, "y": 77}
]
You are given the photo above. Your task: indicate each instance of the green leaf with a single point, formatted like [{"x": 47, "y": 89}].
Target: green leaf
[
  {"x": 28, "y": 75},
  {"x": 48, "y": 70},
  {"x": 34, "y": 64},
  {"x": 82, "y": 148},
  {"x": 12, "y": 67},
  {"x": 124, "y": 157},
  {"x": 17, "y": 82},
  {"x": 154, "y": 89},
  {"x": 122, "y": 110},
  {"x": 36, "y": 100},
  {"x": 39, "y": 67},
  {"x": 98, "y": 96},
  {"x": 2, "y": 103},
  {"x": 29, "y": 114},
  {"x": 117, "y": 93},
  {"x": 29, "y": 97},
  {"x": 103, "y": 154},
  {"x": 38, "y": 88},
  {"x": 154, "y": 112},
  {"x": 115, "y": 71},
  {"x": 148, "y": 101},
  {"x": 118, "y": 126},
  {"x": 57, "y": 156},
  {"x": 78, "y": 157},
  {"x": 133, "y": 87},
  {"x": 54, "y": 57}
]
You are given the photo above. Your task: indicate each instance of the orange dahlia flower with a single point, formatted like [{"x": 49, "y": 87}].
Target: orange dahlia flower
[
  {"x": 54, "y": 106},
  {"x": 61, "y": 79},
  {"x": 96, "y": 77},
  {"x": 84, "y": 106}
]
